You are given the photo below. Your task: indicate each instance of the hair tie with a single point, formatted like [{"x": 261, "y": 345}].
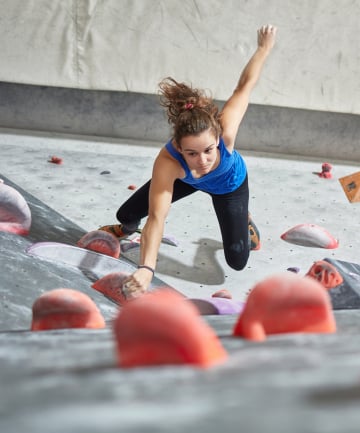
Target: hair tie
[{"x": 189, "y": 106}]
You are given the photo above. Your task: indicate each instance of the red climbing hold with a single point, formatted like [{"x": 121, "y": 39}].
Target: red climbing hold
[
  {"x": 15, "y": 214},
  {"x": 222, "y": 293},
  {"x": 55, "y": 160},
  {"x": 101, "y": 242},
  {"x": 111, "y": 286},
  {"x": 65, "y": 308},
  {"x": 310, "y": 235},
  {"x": 325, "y": 273},
  {"x": 285, "y": 303},
  {"x": 326, "y": 171},
  {"x": 161, "y": 327}
]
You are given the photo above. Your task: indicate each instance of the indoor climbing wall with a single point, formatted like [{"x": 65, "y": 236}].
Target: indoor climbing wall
[{"x": 129, "y": 46}]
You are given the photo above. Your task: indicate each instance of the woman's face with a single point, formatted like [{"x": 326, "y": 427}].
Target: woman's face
[{"x": 200, "y": 152}]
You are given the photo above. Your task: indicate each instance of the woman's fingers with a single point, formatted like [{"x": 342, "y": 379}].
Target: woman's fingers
[{"x": 268, "y": 28}]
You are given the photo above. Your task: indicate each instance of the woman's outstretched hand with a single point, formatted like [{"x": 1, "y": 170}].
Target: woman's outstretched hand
[
  {"x": 137, "y": 284},
  {"x": 266, "y": 36}
]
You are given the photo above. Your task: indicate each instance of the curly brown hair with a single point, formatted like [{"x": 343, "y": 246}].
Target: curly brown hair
[{"x": 190, "y": 111}]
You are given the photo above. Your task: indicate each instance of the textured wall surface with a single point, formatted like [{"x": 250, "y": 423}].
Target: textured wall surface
[
  {"x": 139, "y": 117},
  {"x": 67, "y": 381},
  {"x": 127, "y": 45}
]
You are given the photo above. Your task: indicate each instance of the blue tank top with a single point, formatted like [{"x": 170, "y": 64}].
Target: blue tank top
[{"x": 227, "y": 176}]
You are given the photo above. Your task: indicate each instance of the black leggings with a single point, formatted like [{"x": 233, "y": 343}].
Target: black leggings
[{"x": 231, "y": 210}]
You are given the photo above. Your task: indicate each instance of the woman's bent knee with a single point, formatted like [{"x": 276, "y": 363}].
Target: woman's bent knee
[
  {"x": 237, "y": 264},
  {"x": 237, "y": 256},
  {"x": 130, "y": 222}
]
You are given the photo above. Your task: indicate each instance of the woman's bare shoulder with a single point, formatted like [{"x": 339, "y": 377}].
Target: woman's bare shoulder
[{"x": 165, "y": 162}]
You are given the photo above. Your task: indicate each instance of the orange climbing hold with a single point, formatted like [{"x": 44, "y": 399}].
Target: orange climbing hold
[
  {"x": 101, "y": 242},
  {"x": 351, "y": 186},
  {"x": 325, "y": 273},
  {"x": 160, "y": 328},
  {"x": 65, "y": 308},
  {"x": 285, "y": 303}
]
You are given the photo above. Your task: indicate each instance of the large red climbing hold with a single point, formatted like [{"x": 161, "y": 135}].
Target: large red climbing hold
[
  {"x": 161, "y": 327},
  {"x": 285, "y": 303},
  {"x": 65, "y": 308}
]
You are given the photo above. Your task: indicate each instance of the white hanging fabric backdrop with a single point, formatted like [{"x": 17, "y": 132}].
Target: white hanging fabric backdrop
[{"x": 130, "y": 45}]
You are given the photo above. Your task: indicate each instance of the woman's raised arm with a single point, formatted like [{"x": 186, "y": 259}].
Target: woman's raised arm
[{"x": 236, "y": 106}]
